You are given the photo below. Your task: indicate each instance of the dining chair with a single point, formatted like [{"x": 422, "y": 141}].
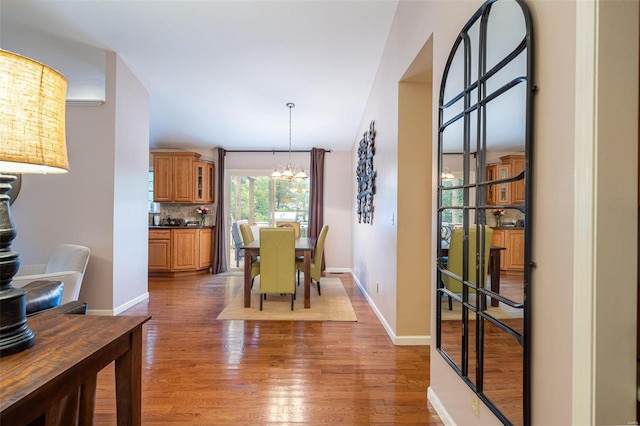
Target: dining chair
[
  {"x": 67, "y": 263},
  {"x": 237, "y": 240},
  {"x": 290, "y": 224},
  {"x": 247, "y": 237},
  {"x": 277, "y": 263},
  {"x": 455, "y": 263},
  {"x": 316, "y": 262}
]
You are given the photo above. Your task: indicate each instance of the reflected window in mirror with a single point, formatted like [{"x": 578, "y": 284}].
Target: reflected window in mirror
[{"x": 483, "y": 257}]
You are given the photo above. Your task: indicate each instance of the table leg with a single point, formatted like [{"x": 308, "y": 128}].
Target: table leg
[
  {"x": 247, "y": 279},
  {"x": 129, "y": 381},
  {"x": 307, "y": 279},
  {"x": 495, "y": 275},
  {"x": 87, "y": 401}
]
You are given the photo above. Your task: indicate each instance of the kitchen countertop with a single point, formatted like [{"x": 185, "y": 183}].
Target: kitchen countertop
[
  {"x": 180, "y": 227},
  {"x": 508, "y": 227}
]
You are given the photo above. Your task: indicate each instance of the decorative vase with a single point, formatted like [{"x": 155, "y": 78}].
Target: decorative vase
[
  {"x": 498, "y": 221},
  {"x": 202, "y": 220}
]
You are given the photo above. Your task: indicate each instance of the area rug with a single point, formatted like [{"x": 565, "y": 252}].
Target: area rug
[
  {"x": 500, "y": 312},
  {"x": 333, "y": 305}
]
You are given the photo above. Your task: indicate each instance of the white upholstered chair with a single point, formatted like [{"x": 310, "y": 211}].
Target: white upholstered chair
[{"x": 67, "y": 263}]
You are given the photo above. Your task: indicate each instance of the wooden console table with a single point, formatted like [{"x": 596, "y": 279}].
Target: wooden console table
[{"x": 68, "y": 353}]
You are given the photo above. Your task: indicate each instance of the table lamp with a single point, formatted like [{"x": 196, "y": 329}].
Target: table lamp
[{"x": 32, "y": 140}]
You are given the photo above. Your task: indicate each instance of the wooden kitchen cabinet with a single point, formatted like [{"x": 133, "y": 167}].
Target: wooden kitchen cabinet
[
  {"x": 506, "y": 193},
  {"x": 179, "y": 177},
  {"x": 204, "y": 254},
  {"x": 512, "y": 259},
  {"x": 162, "y": 178},
  {"x": 159, "y": 250},
  {"x": 183, "y": 179},
  {"x": 204, "y": 180},
  {"x": 179, "y": 250},
  {"x": 503, "y": 190},
  {"x": 517, "y": 165},
  {"x": 185, "y": 247}
]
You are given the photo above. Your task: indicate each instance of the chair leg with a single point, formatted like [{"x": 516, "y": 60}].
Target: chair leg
[
  {"x": 261, "y": 302},
  {"x": 293, "y": 297},
  {"x": 319, "y": 294},
  {"x": 252, "y": 281},
  {"x": 450, "y": 303},
  {"x": 298, "y": 276}
]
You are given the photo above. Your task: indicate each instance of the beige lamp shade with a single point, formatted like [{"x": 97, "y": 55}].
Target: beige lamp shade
[{"x": 32, "y": 117}]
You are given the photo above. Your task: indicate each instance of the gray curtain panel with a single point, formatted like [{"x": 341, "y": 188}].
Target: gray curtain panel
[
  {"x": 316, "y": 199},
  {"x": 219, "y": 249}
]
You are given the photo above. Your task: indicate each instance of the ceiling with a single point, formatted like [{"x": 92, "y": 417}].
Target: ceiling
[{"x": 219, "y": 73}]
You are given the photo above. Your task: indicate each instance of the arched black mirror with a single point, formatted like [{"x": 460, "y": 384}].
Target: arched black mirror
[{"x": 484, "y": 200}]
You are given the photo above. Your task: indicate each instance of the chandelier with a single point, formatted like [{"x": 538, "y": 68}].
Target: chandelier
[
  {"x": 289, "y": 172},
  {"x": 447, "y": 176}
]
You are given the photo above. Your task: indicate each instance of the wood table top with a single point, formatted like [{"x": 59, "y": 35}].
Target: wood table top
[{"x": 301, "y": 243}]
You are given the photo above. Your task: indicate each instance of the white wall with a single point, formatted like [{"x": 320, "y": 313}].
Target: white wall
[
  {"x": 130, "y": 235},
  {"x": 338, "y": 190},
  {"x": 84, "y": 206},
  {"x": 375, "y": 244}
]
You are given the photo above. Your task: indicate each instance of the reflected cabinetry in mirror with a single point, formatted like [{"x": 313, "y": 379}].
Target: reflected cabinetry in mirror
[
  {"x": 512, "y": 258},
  {"x": 510, "y": 166}
]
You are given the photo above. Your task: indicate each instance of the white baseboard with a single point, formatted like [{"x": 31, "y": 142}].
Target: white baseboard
[
  {"x": 413, "y": 341},
  {"x": 439, "y": 407},
  {"x": 102, "y": 312},
  {"x": 338, "y": 271},
  {"x": 397, "y": 340},
  {"x": 381, "y": 318},
  {"x": 121, "y": 308},
  {"x": 144, "y": 296}
]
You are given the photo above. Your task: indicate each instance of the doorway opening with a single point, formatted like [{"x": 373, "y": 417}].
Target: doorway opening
[{"x": 261, "y": 201}]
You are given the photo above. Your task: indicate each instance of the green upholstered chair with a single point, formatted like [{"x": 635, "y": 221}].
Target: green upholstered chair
[
  {"x": 277, "y": 262},
  {"x": 454, "y": 261},
  {"x": 247, "y": 237},
  {"x": 292, "y": 224},
  {"x": 316, "y": 262}
]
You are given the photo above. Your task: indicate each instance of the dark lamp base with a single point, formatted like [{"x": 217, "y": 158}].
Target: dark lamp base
[{"x": 15, "y": 336}]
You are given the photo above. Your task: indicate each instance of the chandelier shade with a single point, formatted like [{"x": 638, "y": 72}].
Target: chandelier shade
[
  {"x": 447, "y": 176},
  {"x": 289, "y": 172}
]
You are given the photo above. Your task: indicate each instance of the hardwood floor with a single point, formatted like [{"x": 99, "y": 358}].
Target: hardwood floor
[{"x": 197, "y": 370}]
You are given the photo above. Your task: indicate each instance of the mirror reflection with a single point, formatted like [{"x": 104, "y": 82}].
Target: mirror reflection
[
  {"x": 482, "y": 257},
  {"x": 503, "y": 375},
  {"x": 452, "y": 331}
]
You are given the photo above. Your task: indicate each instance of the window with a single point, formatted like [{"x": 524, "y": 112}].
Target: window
[{"x": 255, "y": 197}]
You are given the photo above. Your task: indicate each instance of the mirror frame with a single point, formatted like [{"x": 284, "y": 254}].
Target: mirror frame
[{"x": 476, "y": 77}]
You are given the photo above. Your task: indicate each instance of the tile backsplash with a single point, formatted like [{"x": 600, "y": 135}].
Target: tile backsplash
[
  {"x": 185, "y": 212},
  {"x": 510, "y": 216}
]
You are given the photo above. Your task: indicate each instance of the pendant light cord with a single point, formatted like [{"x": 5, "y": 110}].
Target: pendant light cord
[{"x": 290, "y": 105}]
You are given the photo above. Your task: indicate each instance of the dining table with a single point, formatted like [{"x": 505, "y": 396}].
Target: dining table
[
  {"x": 494, "y": 268},
  {"x": 304, "y": 247}
]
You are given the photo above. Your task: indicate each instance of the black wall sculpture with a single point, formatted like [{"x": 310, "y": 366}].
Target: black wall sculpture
[{"x": 366, "y": 176}]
